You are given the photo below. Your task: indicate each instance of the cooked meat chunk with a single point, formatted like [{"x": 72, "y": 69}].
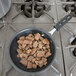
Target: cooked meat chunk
[
  {"x": 37, "y": 36},
  {"x": 33, "y": 60},
  {"x": 20, "y": 46},
  {"x": 35, "y": 44},
  {"x": 29, "y": 65},
  {"x": 19, "y": 51},
  {"x": 34, "y": 66},
  {"x": 40, "y": 45},
  {"x": 47, "y": 54},
  {"x": 23, "y": 55},
  {"x": 23, "y": 61},
  {"x": 22, "y": 38},
  {"x": 28, "y": 51},
  {"x": 45, "y": 41},
  {"x": 40, "y": 63},
  {"x": 33, "y": 50},
  {"x": 40, "y": 53},
  {"x": 20, "y": 41},
  {"x": 30, "y": 58}
]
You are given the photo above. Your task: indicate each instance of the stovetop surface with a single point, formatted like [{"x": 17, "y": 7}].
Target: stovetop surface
[{"x": 15, "y": 21}]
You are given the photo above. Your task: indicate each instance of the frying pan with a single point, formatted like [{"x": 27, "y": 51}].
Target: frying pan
[{"x": 15, "y": 61}]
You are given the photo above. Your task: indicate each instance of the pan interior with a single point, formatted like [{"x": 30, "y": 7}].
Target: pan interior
[{"x": 13, "y": 53}]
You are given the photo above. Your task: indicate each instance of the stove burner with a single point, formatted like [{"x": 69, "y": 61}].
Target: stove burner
[
  {"x": 32, "y": 6},
  {"x": 71, "y": 7}
]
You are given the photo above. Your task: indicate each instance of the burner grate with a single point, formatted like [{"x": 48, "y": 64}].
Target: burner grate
[
  {"x": 33, "y": 6},
  {"x": 71, "y": 7}
]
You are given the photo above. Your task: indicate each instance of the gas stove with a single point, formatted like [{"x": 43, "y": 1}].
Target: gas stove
[{"x": 41, "y": 14}]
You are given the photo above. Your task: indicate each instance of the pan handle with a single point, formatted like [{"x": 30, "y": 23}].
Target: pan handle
[{"x": 61, "y": 23}]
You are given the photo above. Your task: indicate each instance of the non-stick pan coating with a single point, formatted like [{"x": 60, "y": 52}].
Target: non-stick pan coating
[{"x": 13, "y": 53}]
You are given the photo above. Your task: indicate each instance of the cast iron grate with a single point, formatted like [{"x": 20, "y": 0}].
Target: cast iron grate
[{"x": 32, "y": 6}]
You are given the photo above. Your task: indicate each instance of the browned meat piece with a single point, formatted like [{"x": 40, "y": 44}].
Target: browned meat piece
[
  {"x": 35, "y": 44},
  {"x": 40, "y": 45},
  {"x": 37, "y": 58},
  {"x": 33, "y": 51},
  {"x": 30, "y": 35},
  {"x": 34, "y": 66},
  {"x": 23, "y": 61},
  {"x": 33, "y": 60},
  {"x": 23, "y": 45},
  {"x": 35, "y": 55},
  {"x": 40, "y": 53},
  {"x": 41, "y": 38},
  {"x": 28, "y": 51},
  {"x": 23, "y": 55},
  {"x": 19, "y": 51},
  {"x": 45, "y": 63},
  {"x": 20, "y": 41},
  {"x": 20, "y": 46},
  {"x": 30, "y": 58},
  {"x": 44, "y": 60},
  {"x": 45, "y": 41},
  {"x": 44, "y": 47},
  {"x": 27, "y": 42},
  {"x": 22, "y": 38},
  {"x": 47, "y": 46},
  {"x": 36, "y": 62},
  {"x": 37, "y": 36},
  {"x": 47, "y": 54},
  {"x": 29, "y": 65},
  {"x": 40, "y": 63}
]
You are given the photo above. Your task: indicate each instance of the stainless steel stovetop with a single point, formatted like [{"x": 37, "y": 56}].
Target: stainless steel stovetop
[{"x": 65, "y": 62}]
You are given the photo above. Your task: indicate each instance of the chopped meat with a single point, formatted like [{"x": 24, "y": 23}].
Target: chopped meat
[
  {"x": 28, "y": 51},
  {"x": 45, "y": 63},
  {"x": 30, "y": 58},
  {"x": 37, "y": 36},
  {"x": 20, "y": 41},
  {"x": 19, "y": 51},
  {"x": 38, "y": 58},
  {"x": 23, "y": 55},
  {"x": 40, "y": 53},
  {"x": 35, "y": 44},
  {"x": 40, "y": 63},
  {"x": 36, "y": 62},
  {"x": 34, "y": 66},
  {"x": 33, "y": 50},
  {"x": 45, "y": 41},
  {"x": 40, "y": 45},
  {"x": 47, "y": 54},
  {"x": 33, "y": 60},
  {"x": 23, "y": 61},
  {"x": 29, "y": 65},
  {"x": 35, "y": 55},
  {"x": 44, "y": 59},
  {"x": 20, "y": 46},
  {"x": 22, "y": 38}
]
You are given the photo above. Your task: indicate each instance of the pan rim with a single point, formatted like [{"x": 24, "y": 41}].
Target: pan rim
[{"x": 22, "y": 71}]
